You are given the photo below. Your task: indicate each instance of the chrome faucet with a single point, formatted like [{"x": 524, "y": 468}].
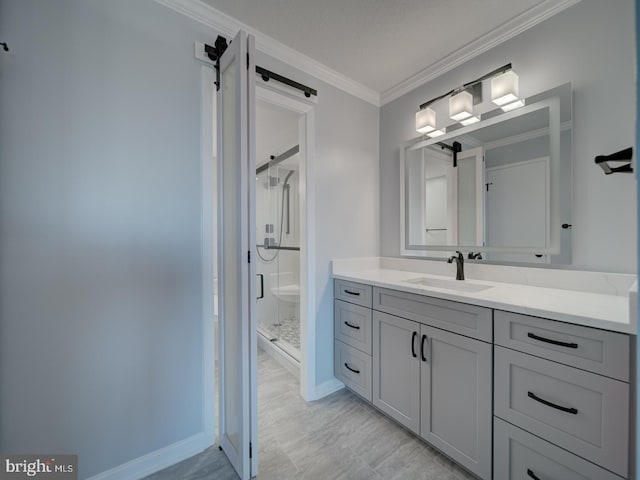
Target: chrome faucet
[{"x": 459, "y": 259}]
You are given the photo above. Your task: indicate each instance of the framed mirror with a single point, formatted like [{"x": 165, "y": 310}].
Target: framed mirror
[{"x": 499, "y": 189}]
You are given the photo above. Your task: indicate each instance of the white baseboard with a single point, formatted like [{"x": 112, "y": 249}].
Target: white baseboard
[
  {"x": 327, "y": 388},
  {"x": 279, "y": 356},
  {"x": 155, "y": 461}
]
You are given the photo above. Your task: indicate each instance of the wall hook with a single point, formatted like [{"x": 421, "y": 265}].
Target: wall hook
[
  {"x": 5, "y": 46},
  {"x": 621, "y": 156}
]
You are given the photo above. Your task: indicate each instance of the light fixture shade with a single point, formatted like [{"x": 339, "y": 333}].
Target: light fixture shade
[
  {"x": 512, "y": 106},
  {"x": 505, "y": 88},
  {"x": 425, "y": 120},
  {"x": 461, "y": 106},
  {"x": 437, "y": 133},
  {"x": 470, "y": 121}
]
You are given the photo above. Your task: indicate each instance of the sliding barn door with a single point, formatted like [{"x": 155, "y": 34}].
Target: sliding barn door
[{"x": 236, "y": 234}]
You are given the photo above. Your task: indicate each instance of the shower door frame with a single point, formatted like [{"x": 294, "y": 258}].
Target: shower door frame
[{"x": 294, "y": 101}]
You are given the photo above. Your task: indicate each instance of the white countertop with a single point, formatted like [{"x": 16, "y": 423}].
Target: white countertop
[{"x": 599, "y": 310}]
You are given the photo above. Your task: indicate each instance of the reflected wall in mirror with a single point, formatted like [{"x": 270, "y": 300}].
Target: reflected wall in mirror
[{"x": 505, "y": 193}]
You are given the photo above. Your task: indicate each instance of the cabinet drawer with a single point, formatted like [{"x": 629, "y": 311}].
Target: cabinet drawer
[
  {"x": 352, "y": 325},
  {"x": 353, "y": 368},
  {"x": 585, "y": 413},
  {"x": 598, "y": 351},
  {"x": 518, "y": 455},
  {"x": 469, "y": 320},
  {"x": 352, "y": 292}
]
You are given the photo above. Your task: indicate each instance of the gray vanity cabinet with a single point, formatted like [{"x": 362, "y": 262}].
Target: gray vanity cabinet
[
  {"x": 438, "y": 385},
  {"x": 505, "y": 395},
  {"x": 455, "y": 383}
]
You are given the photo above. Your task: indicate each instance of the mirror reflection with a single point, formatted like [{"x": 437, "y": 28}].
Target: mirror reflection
[{"x": 500, "y": 188}]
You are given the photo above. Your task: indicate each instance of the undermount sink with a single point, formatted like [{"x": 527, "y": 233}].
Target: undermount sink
[{"x": 458, "y": 285}]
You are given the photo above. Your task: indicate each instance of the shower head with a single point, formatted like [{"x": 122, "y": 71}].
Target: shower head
[{"x": 286, "y": 179}]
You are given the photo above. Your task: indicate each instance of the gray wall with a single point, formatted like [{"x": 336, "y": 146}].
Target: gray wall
[
  {"x": 100, "y": 285},
  {"x": 591, "y": 44}
]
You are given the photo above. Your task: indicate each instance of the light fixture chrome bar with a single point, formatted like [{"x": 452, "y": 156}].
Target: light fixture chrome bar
[{"x": 503, "y": 69}]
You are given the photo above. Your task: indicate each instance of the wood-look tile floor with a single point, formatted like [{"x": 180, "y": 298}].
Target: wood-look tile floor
[{"x": 337, "y": 437}]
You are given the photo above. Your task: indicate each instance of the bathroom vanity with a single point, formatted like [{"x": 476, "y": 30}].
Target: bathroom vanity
[{"x": 511, "y": 379}]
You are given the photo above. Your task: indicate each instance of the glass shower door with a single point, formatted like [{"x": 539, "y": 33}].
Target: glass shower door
[
  {"x": 268, "y": 216},
  {"x": 278, "y": 264}
]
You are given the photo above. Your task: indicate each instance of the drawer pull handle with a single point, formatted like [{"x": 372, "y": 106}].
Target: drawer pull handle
[
  {"x": 355, "y": 327},
  {"x": 553, "y": 342},
  {"x": 357, "y": 294},
  {"x": 573, "y": 411},
  {"x": 532, "y": 475},
  {"x": 352, "y": 369},
  {"x": 424, "y": 359},
  {"x": 413, "y": 344}
]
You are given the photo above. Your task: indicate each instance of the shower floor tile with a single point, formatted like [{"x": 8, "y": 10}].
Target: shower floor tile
[{"x": 288, "y": 331}]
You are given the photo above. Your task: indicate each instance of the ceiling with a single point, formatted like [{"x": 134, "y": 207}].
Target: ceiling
[{"x": 379, "y": 43}]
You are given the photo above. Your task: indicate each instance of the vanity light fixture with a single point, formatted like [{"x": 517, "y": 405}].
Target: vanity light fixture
[
  {"x": 505, "y": 91},
  {"x": 425, "y": 121},
  {"x": 461, "y": 106}
]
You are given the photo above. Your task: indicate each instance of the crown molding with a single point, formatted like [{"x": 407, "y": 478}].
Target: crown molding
[
  {"x": 229, "y": 26},
  {"x": 504, "y": 32}
]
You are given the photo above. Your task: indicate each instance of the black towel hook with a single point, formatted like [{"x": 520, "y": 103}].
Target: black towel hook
[
  {"x": 5, "y": 46},
  {"x": 621, "y": 156}
]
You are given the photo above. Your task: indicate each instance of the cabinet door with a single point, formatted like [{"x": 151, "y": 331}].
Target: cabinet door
[
  {"x": 456, "y": 394},
  {"x": 396, "y": 368}
]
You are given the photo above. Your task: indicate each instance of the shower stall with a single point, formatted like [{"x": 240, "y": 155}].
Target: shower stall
[{"x": 278, "y": 249}]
